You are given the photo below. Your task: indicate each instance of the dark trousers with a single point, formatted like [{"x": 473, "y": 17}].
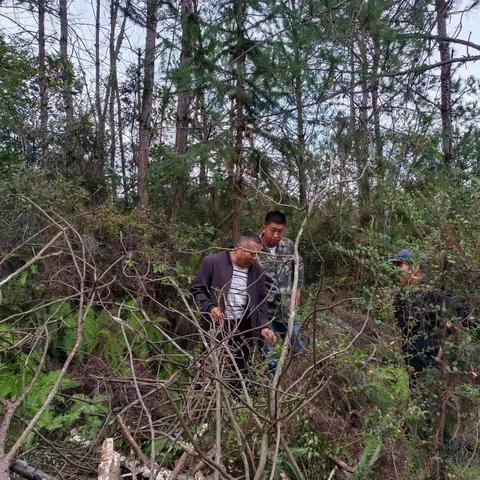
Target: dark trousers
[{"x": 240, "y": 341}]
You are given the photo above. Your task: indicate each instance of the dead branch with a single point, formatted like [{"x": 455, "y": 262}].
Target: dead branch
[
  {"x": 39, "y": 256},
  {"x": 22, "y": 468},
  {"x": 131, "y": 441}
]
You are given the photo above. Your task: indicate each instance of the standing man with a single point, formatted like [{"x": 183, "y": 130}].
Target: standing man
[
  {"x": 427, "y": 319},
  {"x": 425, "y": 316},
  {"x": 277, "y": 258},
  {"x": 230, "y": 292}
]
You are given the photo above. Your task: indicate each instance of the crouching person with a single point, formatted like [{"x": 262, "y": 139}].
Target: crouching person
[{"x": 231, "y": 294}]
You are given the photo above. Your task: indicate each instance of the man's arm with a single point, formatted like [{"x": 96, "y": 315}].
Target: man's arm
[{"x": 201, "y": 287}]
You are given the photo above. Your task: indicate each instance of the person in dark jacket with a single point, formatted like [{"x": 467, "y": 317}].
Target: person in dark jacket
[
  {"x": 231, "y": 295},
  {"x": 425, "y": 316}
]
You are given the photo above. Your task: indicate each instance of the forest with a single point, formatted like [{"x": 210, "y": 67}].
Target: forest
[{"x": 143, "y": 140}]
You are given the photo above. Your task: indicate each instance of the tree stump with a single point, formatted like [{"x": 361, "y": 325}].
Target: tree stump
[{"x": 109, "y": 467}]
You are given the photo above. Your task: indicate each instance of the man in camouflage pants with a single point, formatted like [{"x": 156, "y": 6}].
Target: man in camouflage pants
[{"x": 277, "y": 258}]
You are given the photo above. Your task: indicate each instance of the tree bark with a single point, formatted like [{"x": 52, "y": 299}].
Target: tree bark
[
  {"x": 4, "y": 468},
  {"x": 109, "y": 467},
  {"x": 362, "y": 137},
  {"x": 121, "y": 144},
  {"x": 25, "y": 470},
  {"x": 239, "y": 7},
  {"x": 67, "y": 81},
  {"x": 137, "y": 107},
  {"x": 42, "y": 82},
  {"x": 113, "y": 92},
  {"x": 100, "y": 124},
  {"x": 442, "y": 10},
  {"x": 5, "y": 422},
  {"x": 379, "y": 161},
  {"x": 114, "y": 48},
  {"x": 145, "y": 121},
  {"x": 183, "y": 108},
  {"x": 341, "y": 137},
  {"x": 300, "y": 151},
  {"x": 203, "y": 128},
  {"x": 300, "y": 154}
]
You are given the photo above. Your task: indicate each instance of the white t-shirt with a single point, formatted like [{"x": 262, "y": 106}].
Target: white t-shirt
[
  {"x": 237, "y": 298},
  {"x": 273, "y": 250}
]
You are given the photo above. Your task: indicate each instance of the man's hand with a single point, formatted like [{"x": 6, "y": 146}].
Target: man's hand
[
  {"x": 216, "y": 315},
  {"x": 268, "y": 335},
  {"x": 298, "y": 295}
]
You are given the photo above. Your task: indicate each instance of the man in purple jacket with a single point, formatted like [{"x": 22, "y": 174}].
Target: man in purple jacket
[{"x": 230, "y": 292}]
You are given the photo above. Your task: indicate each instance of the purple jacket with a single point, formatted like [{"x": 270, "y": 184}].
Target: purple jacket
[{"x": 210, "y": 288}]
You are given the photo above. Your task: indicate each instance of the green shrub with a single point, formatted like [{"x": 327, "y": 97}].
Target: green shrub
[{"x": 388, "y": 388}]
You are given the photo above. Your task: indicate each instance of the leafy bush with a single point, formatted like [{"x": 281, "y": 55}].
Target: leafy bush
[{"x": 388, "y": 388}]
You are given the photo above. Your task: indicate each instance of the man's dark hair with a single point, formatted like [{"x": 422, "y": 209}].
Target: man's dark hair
[
  {"x": 275, "y": 216},
  {"x": 250, "y": 236}
]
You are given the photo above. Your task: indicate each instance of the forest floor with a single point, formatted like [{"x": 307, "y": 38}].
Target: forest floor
[{"x": 358, "y": 423}]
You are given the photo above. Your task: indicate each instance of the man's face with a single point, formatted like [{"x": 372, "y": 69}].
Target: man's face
[
  {"x": 273, "y": 233},
  {"x": 247, "y": 253},
  {"x": 410, "y": 274}
]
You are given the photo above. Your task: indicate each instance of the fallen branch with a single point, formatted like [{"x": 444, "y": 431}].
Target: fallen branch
[
  {"x": 22, "y": 468},
  {"x": 183, "y": 459},
  {"x": 131, "y": 441},
  {"x": 35, "y": 258},
  {"x": 341, "y": 464}
]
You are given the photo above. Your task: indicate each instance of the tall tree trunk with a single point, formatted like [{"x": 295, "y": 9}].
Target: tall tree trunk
[
  {"x": 362, "y": 137},
  {"x": 201, "y": 120},
  {"x": 145, "y": 121},
  {"x": 137, "y": 107},
  {"x": 111, "y": 106},
  {"x": 67, "y": 81},
  {"x": 352, "y": 128},
  {"x": 113, "y": 97},
  {"x": 300, "y": 154},
  {"x": 379, "y": 161},
  {"x": 183, "y": 108},
  {"x": 121, "y": 144},
  {"x": 342, "y": 153},
  {"x": 239, "y": 6},
  {"x": 42, "y": 83},
  {"x": 113, "y": 87},
  {"x": 100, "y": 124},
  {"x": 442, "y": 9},
  {"x": 204, "y": 131}
]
